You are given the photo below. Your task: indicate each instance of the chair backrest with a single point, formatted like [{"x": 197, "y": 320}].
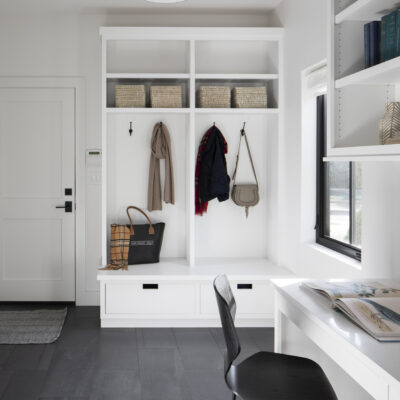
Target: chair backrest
[{"x": 227, "y": 311}]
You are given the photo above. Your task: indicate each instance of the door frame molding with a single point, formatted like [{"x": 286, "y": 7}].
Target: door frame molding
[{"x": 78, "y": 84}]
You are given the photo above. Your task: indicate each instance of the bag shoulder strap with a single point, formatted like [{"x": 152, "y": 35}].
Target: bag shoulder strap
[
  {"x": 243, "y": 133},
  {"x": 132, "y": 232}
]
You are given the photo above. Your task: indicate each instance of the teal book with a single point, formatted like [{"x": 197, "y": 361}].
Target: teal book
[
  {"x": 390, "y": 35},
  {"x": 397, "y": 51},
  {"x": 367, "y": 55},
  {"x": 374, "y": 43},
  {"x": 383, "y": 40}
]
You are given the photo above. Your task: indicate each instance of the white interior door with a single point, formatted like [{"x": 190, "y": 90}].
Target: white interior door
[{"x": 37, "y": 164}]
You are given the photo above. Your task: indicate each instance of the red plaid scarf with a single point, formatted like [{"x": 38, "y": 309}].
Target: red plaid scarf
[{"x": 201, "y": 208}]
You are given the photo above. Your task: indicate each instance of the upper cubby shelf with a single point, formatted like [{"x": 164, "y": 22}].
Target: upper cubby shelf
[
  {"x": 147, "y": 80},
  {"x": 387, "y": 73},
  {"x": 243, "y": 111},
  {"x": 152, "y": 56},
  {"x": 147, "y": 76},
  {"x": 216, "y": 111},
  {"x": 366, "y": 10},
  {"x": 147, "y": 110},
  {"x": 227, "y": 77},
  {"x": 173, "y": 57},
  {"x": 229, "y": 57},
  {"x": 139, "y": 75}
]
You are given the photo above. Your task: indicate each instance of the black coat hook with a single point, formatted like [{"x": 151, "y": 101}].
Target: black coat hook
[
  {"x": 130, "y": 129},
  {"x": 242, "y": 131}
]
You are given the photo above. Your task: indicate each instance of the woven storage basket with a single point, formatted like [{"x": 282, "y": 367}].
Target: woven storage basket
[
  {"x": 130, "y": 96},
  {"x": 214, "y": 97},
  {"x": 166, "y": 96},
  {"x": 250, "y": 97}
]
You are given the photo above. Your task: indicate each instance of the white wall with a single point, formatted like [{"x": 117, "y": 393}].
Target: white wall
[
  {"x": 69, "y": 45},
  {"x": 305, "y": 24},
  {"x": 48, "y": 44}
]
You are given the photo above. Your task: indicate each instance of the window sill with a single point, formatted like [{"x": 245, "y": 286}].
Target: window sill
[{"x": 351, "y": 262}]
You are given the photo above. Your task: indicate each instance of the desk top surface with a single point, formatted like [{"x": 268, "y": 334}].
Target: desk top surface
[{"x": 385, "y": 354}]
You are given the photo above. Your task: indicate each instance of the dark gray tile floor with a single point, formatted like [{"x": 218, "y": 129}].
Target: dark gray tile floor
[{"x": 89, "y": 363}]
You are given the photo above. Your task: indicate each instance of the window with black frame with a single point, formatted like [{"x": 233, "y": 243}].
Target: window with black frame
[{"x": 339, "y": 202}]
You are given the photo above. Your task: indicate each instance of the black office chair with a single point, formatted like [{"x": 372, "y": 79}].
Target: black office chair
[{"x": 265, "y": 375}]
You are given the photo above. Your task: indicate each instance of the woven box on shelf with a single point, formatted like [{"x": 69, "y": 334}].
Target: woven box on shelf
[
  {"x": 214, "y": 97},
  {"x": 166, "y": 96},
  {"x": 250, "y": 97},
  {"x": 130, "y": 96}
]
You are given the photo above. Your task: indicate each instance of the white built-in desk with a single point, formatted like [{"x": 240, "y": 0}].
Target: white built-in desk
[{"x": 375, "y": 366}]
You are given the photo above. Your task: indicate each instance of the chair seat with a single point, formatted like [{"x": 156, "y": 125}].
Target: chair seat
[{"x": 271, "y": 376}]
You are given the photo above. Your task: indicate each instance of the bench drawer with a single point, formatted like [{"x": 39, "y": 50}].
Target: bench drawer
[
  {"x": 167, "y": 298},
  {"x": 252, "y": 298}
]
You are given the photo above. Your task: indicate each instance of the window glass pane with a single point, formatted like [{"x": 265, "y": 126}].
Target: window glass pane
[
  {"x": 337, "y": 195},
  {"x": 357, "y": 205},
  {"x": 339, "y": 202}
]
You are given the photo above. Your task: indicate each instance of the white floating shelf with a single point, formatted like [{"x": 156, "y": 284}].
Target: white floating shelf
[
  {"x": 366, "y": 10},
  {"x": 146, "y": 76},
  {"x": 361, "y": 152},
  {"x": 357, "y": 158},
  {"x": 386, "y": 73},
  {"x": 227, "y": 77},
  {"x": 148, "y": 110},
  {"x": 274, "y": 111}
]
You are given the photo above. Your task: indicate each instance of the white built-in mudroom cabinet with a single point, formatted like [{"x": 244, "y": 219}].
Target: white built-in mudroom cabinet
[{"x": 178, "y": 291}]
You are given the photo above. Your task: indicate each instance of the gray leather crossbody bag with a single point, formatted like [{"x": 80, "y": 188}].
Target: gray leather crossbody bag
[{"x": 245, "y": 195}]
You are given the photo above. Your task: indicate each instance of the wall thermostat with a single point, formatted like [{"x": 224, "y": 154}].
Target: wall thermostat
[{"x": 93, "y": 156}]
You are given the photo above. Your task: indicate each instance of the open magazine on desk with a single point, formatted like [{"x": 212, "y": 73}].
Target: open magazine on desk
[{"x": 373, "y": 305}]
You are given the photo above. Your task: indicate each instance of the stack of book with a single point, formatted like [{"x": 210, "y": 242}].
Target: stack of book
[{"x": 382, "y": 39}]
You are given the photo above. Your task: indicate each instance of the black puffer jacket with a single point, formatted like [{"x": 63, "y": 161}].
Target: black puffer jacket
[{"x": 213, "y": 177}]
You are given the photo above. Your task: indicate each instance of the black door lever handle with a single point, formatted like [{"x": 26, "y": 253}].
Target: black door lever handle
[{"x": 67, "y": 206}]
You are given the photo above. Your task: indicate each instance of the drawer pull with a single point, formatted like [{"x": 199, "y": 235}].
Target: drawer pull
[
  {"x": 245, "y": 286},
  {"x": 150, "y": 285}
]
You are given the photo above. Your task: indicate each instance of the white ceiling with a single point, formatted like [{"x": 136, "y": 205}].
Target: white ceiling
[{"x": 206, "y": 6}]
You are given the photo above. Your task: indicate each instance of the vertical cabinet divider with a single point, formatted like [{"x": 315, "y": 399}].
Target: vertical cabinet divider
[{"x": 191, "y": 156}]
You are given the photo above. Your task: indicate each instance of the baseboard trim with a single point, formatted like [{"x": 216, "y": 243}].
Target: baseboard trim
[{"x": 182, "y": 323}]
